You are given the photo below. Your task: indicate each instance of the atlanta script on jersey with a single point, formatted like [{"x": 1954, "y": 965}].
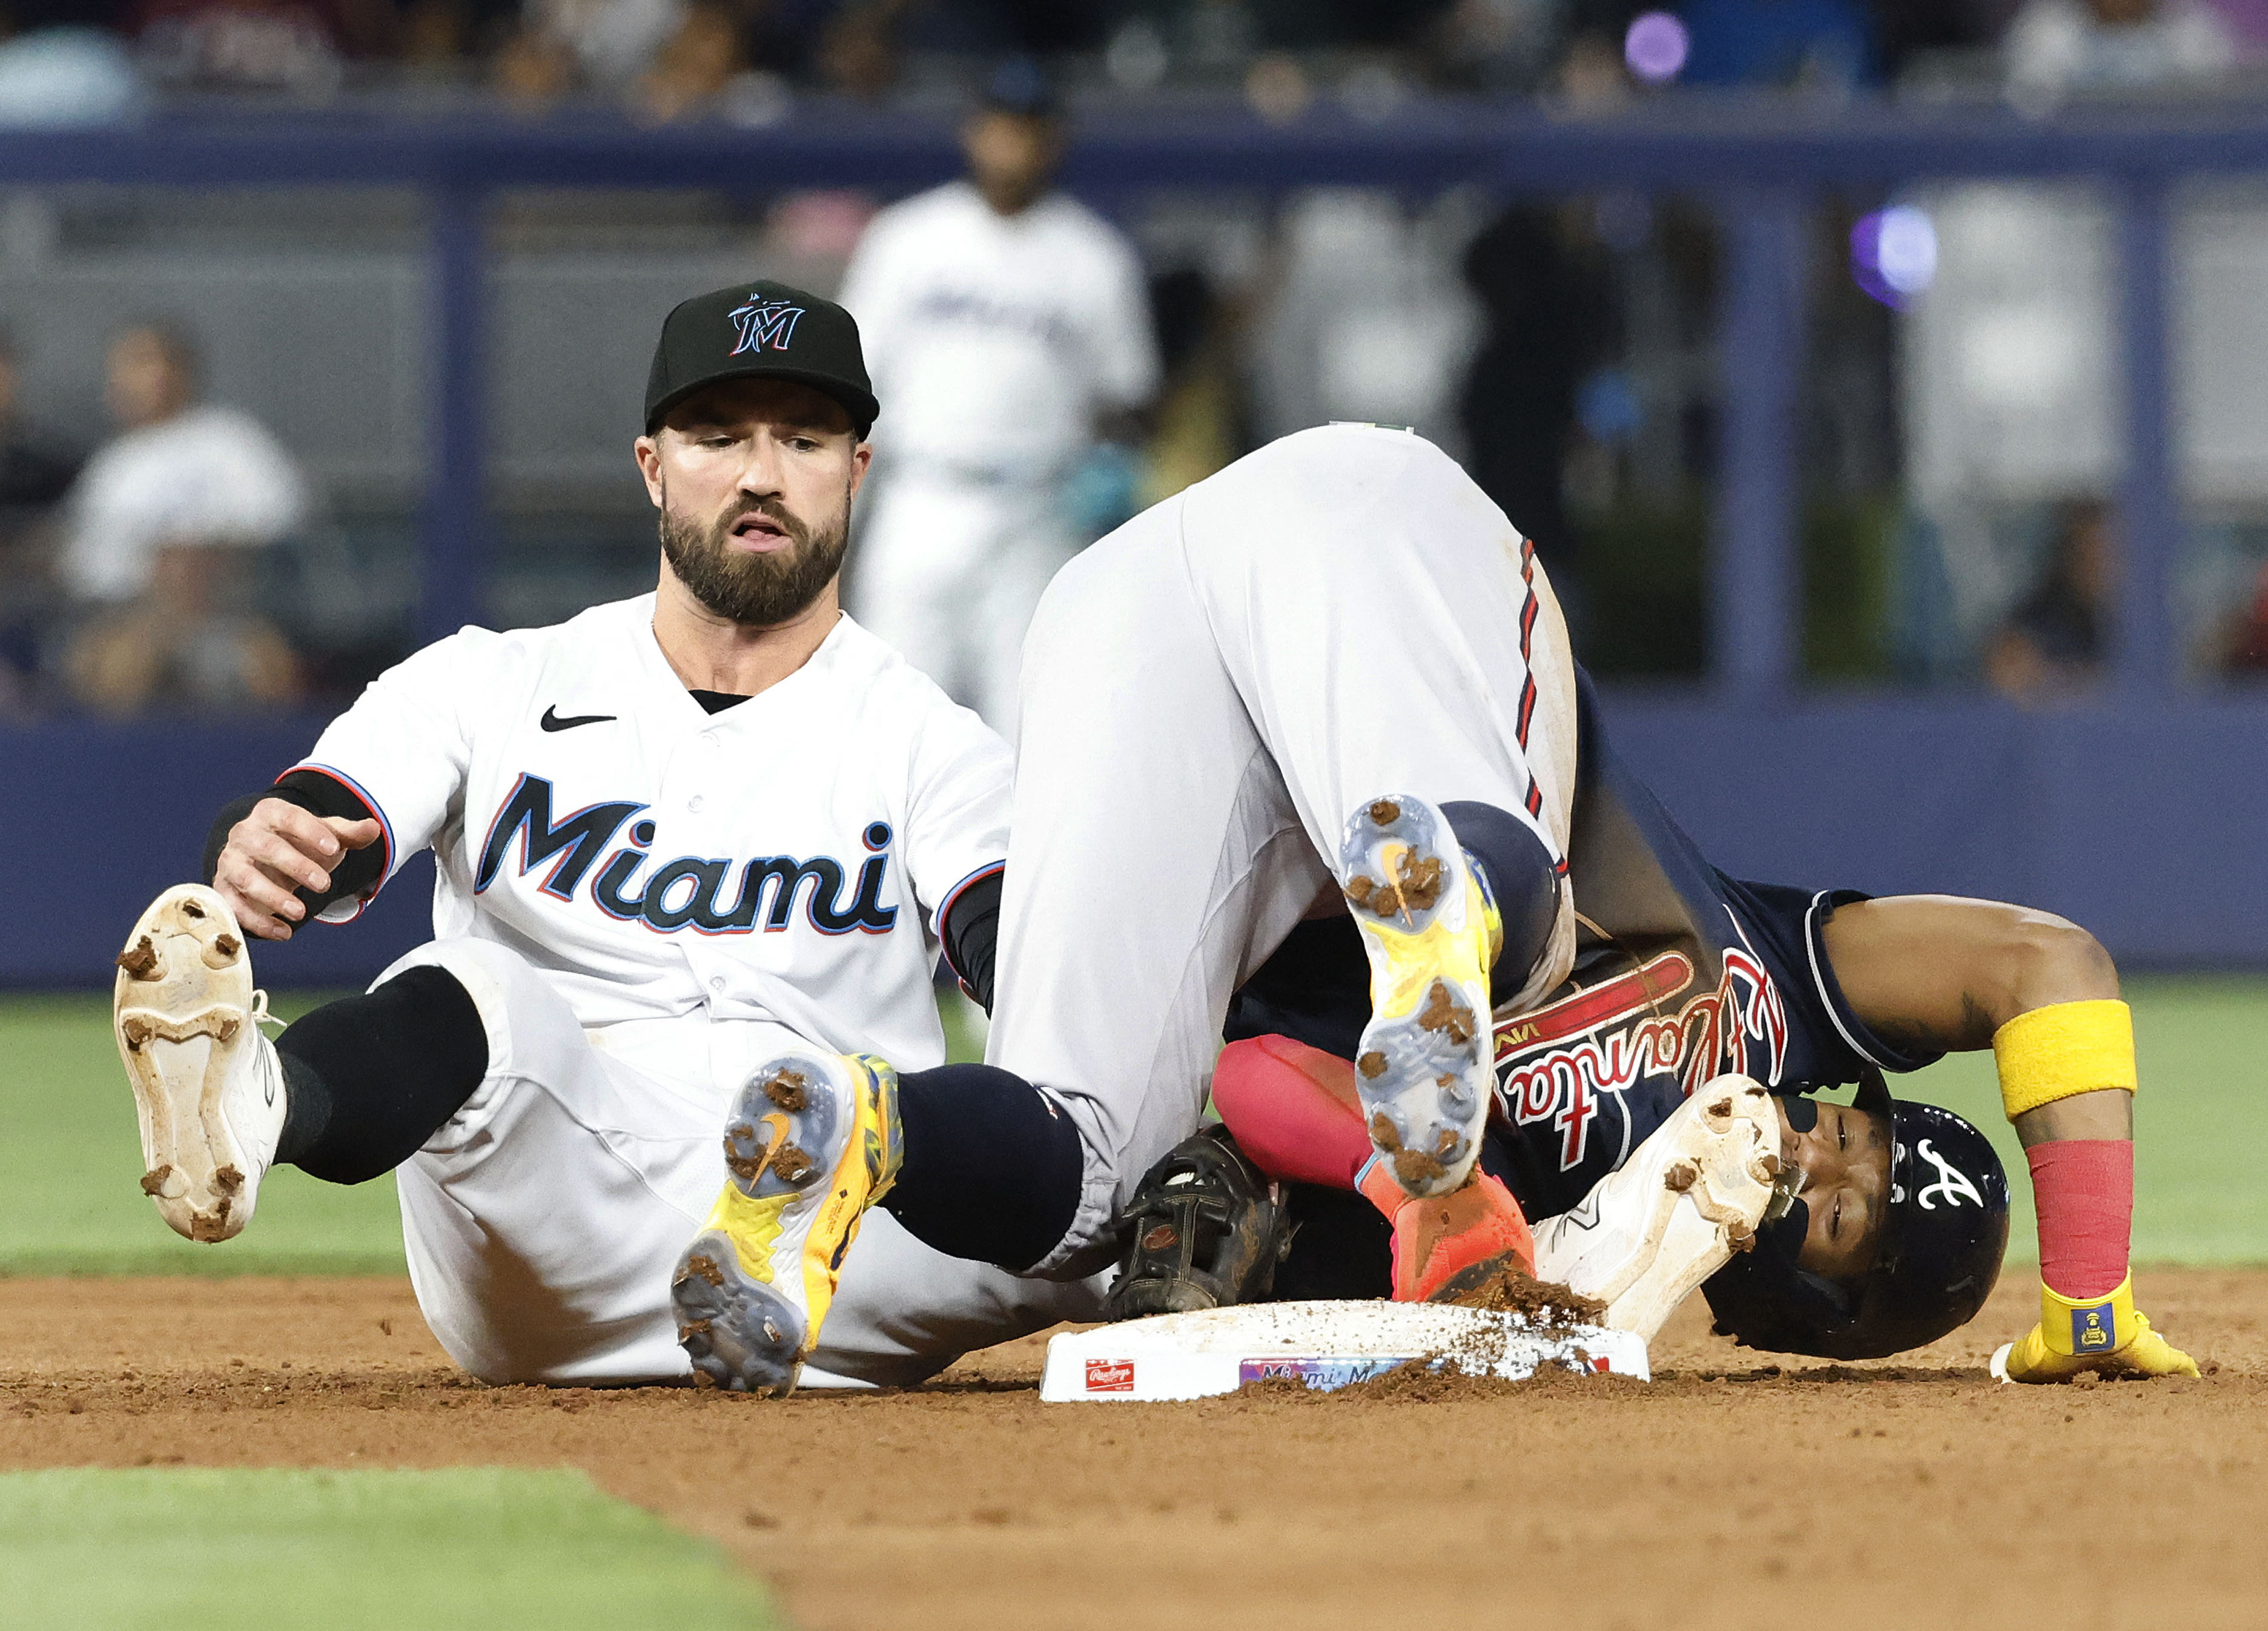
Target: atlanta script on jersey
[
  {"x": 1681, "y": 973},
  {"x": 783, "y": 860}
]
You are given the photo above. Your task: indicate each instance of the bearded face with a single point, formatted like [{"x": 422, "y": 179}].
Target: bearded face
[{"x": 722, "y": 563}]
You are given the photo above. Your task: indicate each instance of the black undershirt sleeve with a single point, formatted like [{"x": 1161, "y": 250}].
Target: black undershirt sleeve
[
  {"x": 970, "y": 934},
  {"x": 358, "y": 871}
]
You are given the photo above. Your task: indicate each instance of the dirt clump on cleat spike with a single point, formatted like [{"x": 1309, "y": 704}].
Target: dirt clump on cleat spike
[
  {"x": 787, "y": 1090},
  {"x": 1420, "y": 884},
  {"x": 747, "y": 1170},
  {"x": 1415, "y": 1169},
  {"x": 140, "y": 960},
  {"x": 1444, "y": 1013},
  {"x": 793, "y": 1165}
]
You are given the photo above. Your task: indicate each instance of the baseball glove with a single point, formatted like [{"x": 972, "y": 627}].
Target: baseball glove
[{"x": 1206, "y": 1230}]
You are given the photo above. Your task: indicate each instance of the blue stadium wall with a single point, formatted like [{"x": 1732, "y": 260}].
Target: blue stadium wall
[{"x": 2142, "y": 822}]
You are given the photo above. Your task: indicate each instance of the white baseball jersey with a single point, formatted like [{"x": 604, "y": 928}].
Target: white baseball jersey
[
  {"x": 995, "y": 340},
  {"x": 782, "y": 860},
  {"x": 644, "y": 901}
]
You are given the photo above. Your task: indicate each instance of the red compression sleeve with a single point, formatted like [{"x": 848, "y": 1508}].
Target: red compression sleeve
[
  {"x": 1292, "y": 1109},
  {"x": 2083, "y": 1189}
]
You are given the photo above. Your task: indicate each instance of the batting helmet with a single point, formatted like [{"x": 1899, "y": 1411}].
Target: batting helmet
[{"x": 1941, "y": 1242}]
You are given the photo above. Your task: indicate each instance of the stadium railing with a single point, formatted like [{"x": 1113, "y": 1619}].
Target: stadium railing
[{"x": 2123, "y": 813}]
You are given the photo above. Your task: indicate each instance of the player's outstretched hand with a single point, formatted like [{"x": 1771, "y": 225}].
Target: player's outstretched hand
[
  {"x": 2108, "y": 1335},
  {"x": 276, "y": 851}
]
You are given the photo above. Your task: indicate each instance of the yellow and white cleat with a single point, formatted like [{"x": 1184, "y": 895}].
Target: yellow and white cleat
[
  {"x": 1427, "y": 1065},
  {"x": 207, "y": 1084},
  {"x": 812, "y": 1142}
]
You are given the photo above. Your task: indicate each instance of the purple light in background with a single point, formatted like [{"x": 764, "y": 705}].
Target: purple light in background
[
  {"x": 1894, "y": 254},
  {"x": 1656, "y": 46}
]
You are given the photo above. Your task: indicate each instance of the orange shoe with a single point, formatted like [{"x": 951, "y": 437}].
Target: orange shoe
[{"x": 1438, "y": 1238}]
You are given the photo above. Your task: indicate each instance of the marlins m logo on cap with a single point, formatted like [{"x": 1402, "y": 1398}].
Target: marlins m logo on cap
[
  {"x": 761, "y": 322},
  {"x": 744, "y": 331}
]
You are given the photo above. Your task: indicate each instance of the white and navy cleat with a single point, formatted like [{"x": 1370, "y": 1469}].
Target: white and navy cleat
[
  {"x": 1674, "y": 1212},
  {"x": 813, "y": 1140},
  {"x": 1426, "y": 1067},
  {"x": 208, "y": 1085}
]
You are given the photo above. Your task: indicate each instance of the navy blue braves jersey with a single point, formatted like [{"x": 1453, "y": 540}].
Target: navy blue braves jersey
[{"x": 1681, "y": 973}]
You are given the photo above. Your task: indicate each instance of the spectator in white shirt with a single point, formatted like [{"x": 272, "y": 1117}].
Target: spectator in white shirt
[
  {"x": 162, "y": 526},
  {"x": 1010, "y": 331}
]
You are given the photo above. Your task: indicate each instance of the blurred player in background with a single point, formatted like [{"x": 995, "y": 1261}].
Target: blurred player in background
[
  {"x": 1011, "y": 332},
  {"x": 163, "y": 525}
]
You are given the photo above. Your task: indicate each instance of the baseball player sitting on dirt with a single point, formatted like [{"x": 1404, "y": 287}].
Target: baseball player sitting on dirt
[
  {"x": 1247, "y": 680},
  {"x": 678, "y": 839}
]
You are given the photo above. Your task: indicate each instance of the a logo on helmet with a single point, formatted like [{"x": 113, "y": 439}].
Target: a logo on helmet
[
  {"x": 763, "y": 322},
  {"x": 1952, "y": 1183}
]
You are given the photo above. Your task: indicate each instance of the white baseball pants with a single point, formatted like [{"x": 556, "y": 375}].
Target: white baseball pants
[
  {"x": 1207, "y": 694},
  {"x": 543, "y": 1222}
]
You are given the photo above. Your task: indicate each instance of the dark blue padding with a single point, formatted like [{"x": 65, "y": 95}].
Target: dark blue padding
[{"x": 1525, "y": 882}]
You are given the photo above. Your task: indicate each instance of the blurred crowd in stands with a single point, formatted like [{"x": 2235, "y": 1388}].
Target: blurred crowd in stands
[
  {"x": 1564, "y": 350},
  {"x": 749, "y": 60},
  {"x": 127, "y": 579}
]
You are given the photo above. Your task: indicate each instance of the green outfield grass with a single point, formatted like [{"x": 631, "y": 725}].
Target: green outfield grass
[
  {"x": 69, "y": 1154},
  {"x": 84, "y": 1549},
  {"x": 69, "y": 1159}
]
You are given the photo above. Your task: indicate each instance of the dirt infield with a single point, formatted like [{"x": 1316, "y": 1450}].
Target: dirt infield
[{"x": 1728, "y": 1493}]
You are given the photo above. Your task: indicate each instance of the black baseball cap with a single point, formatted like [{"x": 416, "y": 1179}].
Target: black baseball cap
[{"x": 760, "y": 330}]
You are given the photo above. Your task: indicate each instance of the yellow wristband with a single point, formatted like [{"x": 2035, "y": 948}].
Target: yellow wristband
[
  {"x": 2067, "y": 1047},
  {"x": 2098, "y": 1325}
]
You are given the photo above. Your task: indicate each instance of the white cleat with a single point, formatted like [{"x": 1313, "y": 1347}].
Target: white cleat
[
  {"x": 207, "y": 1084},
  {"x": 1674, "y": 1212}
]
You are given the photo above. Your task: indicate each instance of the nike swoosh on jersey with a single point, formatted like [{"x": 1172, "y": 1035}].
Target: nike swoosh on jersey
[{"x": 551, "y": 721}]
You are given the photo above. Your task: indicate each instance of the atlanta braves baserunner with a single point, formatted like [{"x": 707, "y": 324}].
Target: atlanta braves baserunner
[
  {"x": 1352, "y": 682},
  {"x": 682, "y": 841}
]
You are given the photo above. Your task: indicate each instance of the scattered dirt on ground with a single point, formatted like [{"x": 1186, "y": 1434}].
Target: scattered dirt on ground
[{"x": 1717, "y": 1496}]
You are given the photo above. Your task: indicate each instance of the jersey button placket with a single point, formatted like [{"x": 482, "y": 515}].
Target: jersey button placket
[{"x": 706, "y": 748}]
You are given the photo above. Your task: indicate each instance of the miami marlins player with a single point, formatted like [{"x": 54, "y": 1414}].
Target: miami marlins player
[
  {"x": 682, "y": 841},
  {"x": 1010, "y": 327}
]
